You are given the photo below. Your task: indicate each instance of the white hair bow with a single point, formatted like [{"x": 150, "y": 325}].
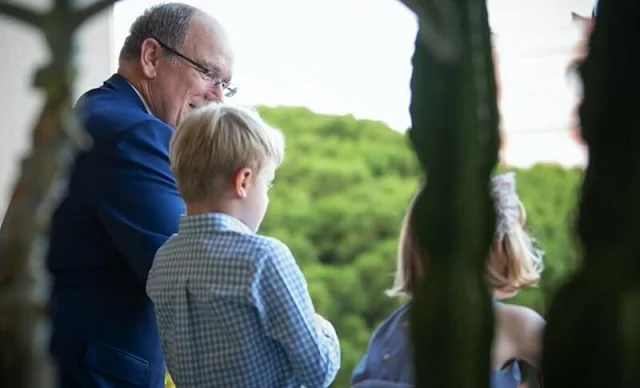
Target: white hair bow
[{"x": 507, "y": 202}]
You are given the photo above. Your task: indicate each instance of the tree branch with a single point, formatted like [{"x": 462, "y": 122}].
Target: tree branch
[
  {"x": 91, "y": 10},
  {"x": 25, "y": 15}
]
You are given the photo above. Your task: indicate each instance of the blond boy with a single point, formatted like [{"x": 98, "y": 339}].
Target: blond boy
[{"x": 232, "y": 306}]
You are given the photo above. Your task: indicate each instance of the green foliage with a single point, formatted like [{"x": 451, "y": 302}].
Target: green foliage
[{"x": 338, "y": 203}]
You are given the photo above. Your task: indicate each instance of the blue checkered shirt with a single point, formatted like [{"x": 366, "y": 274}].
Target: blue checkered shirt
[{"x": 233, "y": 310}]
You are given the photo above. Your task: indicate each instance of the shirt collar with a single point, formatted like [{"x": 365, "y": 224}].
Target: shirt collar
[
  {"x": 141, "y": 99},
  {"x": 212, "y": 222}
]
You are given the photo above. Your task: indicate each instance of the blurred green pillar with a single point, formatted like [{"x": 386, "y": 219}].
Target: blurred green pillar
[{"x": 455, "y": 136}]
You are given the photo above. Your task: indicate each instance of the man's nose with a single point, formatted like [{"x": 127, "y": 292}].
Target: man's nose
[{"x": 215, "y": 94}]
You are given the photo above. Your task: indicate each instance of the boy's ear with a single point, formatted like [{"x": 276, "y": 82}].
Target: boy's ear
[{"x": 242, "y": 181}]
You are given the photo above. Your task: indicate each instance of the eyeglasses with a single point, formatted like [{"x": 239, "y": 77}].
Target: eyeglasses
[{"x": 209, "y": 75}]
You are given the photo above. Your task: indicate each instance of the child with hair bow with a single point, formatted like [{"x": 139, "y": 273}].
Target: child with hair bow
[{"x": 514, "y": 264}]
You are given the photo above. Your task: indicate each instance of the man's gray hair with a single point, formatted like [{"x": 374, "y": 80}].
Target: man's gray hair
[{"x": 168, "y": 23}]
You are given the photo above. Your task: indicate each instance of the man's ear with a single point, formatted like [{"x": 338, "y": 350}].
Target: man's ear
[
  {"x": 242, "y": 182},
  {"x": 150, "y": 52}
]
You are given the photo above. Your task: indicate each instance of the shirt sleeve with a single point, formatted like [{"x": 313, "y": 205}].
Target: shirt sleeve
[
  {"x": 141, "y": 205},
  {"x": 287, "y": 313}
]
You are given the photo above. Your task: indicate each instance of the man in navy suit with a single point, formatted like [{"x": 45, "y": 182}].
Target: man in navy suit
[{"x": 122, "y": 202}]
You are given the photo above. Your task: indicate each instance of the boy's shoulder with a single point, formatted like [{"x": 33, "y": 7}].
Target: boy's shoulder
[
  {"x": 273, "y": 244},
  {"x": 269, "y": 248},
  {"x": 167, "y": 247},
  {"x": 252, "y": 249},
  {"x": 252, "y": 244}
]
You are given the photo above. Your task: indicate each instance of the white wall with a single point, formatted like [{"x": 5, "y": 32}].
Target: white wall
[{"x": 24, "y": 50}]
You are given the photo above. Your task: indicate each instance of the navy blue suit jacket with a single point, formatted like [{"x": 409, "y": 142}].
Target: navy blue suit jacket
[{"x": 120, "y": 206}]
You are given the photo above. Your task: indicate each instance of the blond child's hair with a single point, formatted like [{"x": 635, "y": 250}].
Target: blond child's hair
[
  {"x": 216, "y": 141},
  {"x": 514, "y": 262}
]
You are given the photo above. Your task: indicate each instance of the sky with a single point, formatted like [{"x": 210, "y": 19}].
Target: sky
[{"x": 353, "y": 57}]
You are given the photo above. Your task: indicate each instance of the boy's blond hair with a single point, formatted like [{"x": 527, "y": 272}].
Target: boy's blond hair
[
  {"x": 216, "y": 141},
  {"x": 514, "y": 262}
]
